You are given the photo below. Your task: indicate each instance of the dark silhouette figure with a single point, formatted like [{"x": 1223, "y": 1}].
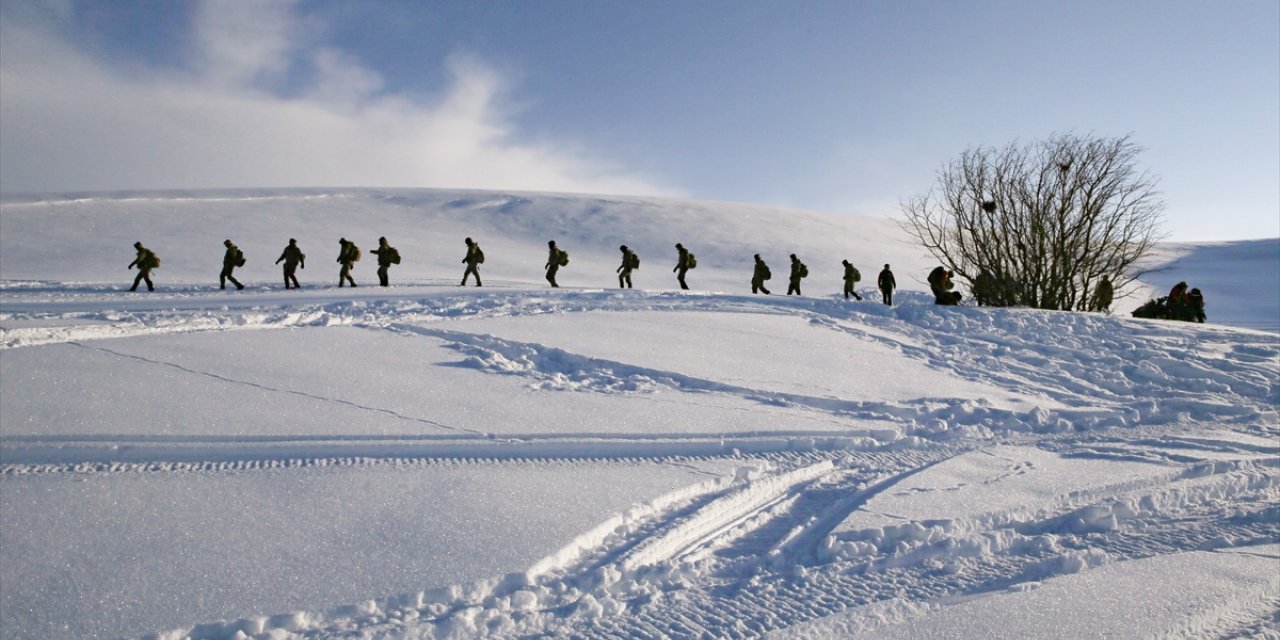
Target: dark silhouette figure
[
  {"x": 293, "y": 258},
  {"x": 230, "y": 260},
  {"x": 798, "y": 271},
  {"x": 473, "y": 259},
  {"x": 851, "y": 278},
  {"x": 145, "y": 262},
  {"x": 1195, "y": 302},
  {"x": 682, "y": 265},
  {"x": 387, "y": 256},
  {"x": 984, "y": 289},
  {"x": 940, "y": 284},
  {"x": 555, "y": 259},
  {"x": 624, "y": 270},
  {"x": 887, "y": 284},
  {"x": 759, "y": 275},
  {"x": 348, "y": 255},
  {"x": 1102, "y": 296}
]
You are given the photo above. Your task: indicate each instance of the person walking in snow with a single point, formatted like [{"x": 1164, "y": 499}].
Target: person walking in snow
[
  {"x": 1102, "y": 296},
  {"x": 145, "y": 262},
  {"x": 624, "y": 270},
  {"x": 348, "y": 256},
  {"x": 798, "y": 271},
  {"x": 555, "y": 259},
  {"x": 851, "y": 278},
  {"x": 230, "y": 260},
  {"x": 759, "y": 275},
  {"x": 293, "y": 258},
  {"x": 682, "y": 265},
  {"x": 886, "y": 284},
  {"x": 473, "y": 259},
  {"x": 387, "y": 256}
]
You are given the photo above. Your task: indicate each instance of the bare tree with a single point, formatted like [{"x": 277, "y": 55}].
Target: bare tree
[{"x": 1040, "y": 224}]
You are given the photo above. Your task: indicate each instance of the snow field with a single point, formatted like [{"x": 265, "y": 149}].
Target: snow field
[{"x": 426, "y": 461}]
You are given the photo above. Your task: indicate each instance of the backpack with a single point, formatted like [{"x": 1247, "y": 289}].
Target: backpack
[
  {"x": 151, "y": 260},
  {"x": 393, "y": 255},
  {"x": 239, "y": 258},
  {"x": 767, "y": 273},
  {"x": 563, "y": 258},
  {"x": 479, "y": 255},
  {"x": 693, "y": 261},
  {"x": 354, "y": 252},
  {"x": 804, "y": 271},
  {"x": 633, "y": 261}
]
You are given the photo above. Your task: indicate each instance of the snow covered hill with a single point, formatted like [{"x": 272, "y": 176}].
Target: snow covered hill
[{"x": 426, "y": 461}]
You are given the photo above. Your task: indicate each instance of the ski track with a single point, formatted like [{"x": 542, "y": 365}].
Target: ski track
[
  {"x": 739, "y": 557},
  {"x": 742, "y": 557}
]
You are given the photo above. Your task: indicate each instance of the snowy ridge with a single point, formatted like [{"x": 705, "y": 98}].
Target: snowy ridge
[{"x": 426, "y": 461}]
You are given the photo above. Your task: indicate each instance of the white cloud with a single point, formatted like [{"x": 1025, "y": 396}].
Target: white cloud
[{"x": 69, "y": 122}]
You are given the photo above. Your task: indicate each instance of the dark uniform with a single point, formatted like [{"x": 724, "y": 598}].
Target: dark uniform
[
  {"x": 797, "y": 268},
  {"x": 1195, "y": 300},
  {"x": 387, "y": 256},
  {"x": 553, "y": 262},
  {"x": 682, "y": 265},
  {"x": 759, "y": 275},
  {"x": 146, "y": 261},
  {"x": 1102, "y": 296},
  {"x": 940, "y": 285},
  {"x": 293, "y": 258},
  {"x": 347, "y": 258},
  {"x": 230, "y": 260},
  {"x": 624, "y": 270},
  {"x": 851, "y": 278},
  {"x": 887, "y": 284},
  {"x": 984, "y": 289},
  {"x": 472, "y": 260}
]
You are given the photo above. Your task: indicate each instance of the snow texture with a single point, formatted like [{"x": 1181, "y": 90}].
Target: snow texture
[{"x": 428, "y": 461}]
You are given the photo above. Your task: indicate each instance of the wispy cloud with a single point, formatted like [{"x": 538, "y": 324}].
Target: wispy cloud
[{"x": 69, "y": 121}]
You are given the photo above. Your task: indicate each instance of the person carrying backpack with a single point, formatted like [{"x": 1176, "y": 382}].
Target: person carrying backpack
[
  {"x": 629, "y": 262},
  {"x": 293, "y": 258},
  {"x": 940, "y": 285},
  {"x": 886, "y": 284},
  {"x": 555, "y": 259},
  {"x": 1179, "y": 309},
  {"x": 1102, "y": 296},
  {"x": 1195, "y": 302},
  {"x": 798, "y": 271},
  {"x": 473, "y": 259},
  {"x": 387, "y": 256},
  {"x": 145, "y": 262},
  {"x": 684, "y": 262},
  {"x": 759, "y": 275},
  {"x": 348, "y": 256},
  {"x": 851, "y": 278},
  {"x": 230, "y": 260}
]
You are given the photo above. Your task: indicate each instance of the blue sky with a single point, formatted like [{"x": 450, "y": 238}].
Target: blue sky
[{"x": 844, "y": 107}]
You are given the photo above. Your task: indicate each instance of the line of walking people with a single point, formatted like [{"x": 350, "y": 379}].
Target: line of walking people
[{"x": 349, "y": 254}]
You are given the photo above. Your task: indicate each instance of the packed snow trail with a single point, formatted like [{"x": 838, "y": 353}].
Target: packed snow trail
[{"x": 939, "y": 456}]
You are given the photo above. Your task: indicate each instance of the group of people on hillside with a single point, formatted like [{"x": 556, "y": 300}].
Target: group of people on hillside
[
  {"x": 1182, "y": 304},
  {"x": 349, "y": 254}
]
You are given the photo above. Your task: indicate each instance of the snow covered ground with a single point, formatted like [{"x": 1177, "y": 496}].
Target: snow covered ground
[{"x": 426, "y": 461}]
